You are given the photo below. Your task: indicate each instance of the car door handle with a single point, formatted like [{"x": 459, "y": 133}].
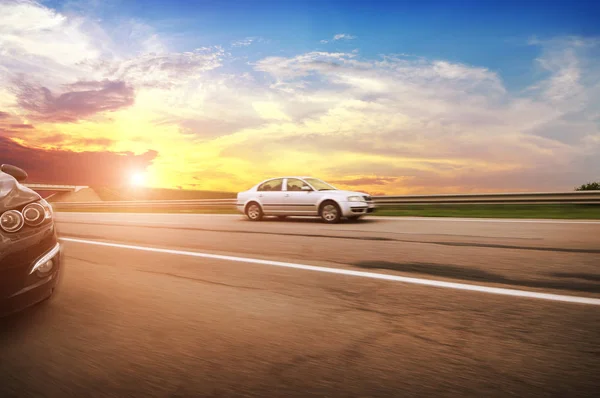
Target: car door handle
[{"x": 260, "y": 196}]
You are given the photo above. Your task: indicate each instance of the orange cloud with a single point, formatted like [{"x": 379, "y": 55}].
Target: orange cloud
[{"x": 80, "y": 100}]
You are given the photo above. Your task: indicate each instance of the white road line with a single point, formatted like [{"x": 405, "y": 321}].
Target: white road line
[
  {"x": 387, "y": 218},
  {"x": 372, "y": 275}
]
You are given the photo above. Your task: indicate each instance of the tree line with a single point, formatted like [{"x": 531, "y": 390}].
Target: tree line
[{"x": 590, "y": 186}]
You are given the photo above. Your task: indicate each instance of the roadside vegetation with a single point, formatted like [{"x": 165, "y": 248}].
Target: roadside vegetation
[
  {"x": 590, "y": 186},
  {"x": 551, "y": 211}
]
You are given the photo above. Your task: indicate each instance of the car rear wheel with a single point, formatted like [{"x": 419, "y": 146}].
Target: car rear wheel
[
  {"x": 254, "y": 212},
  {"x": 330, "y": 212}
]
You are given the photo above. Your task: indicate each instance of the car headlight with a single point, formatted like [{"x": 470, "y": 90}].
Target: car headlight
[
  {"x": 355, "y": 199},
  {"x": 12, "y": 221},
  {"x": 33, "y": 214}
]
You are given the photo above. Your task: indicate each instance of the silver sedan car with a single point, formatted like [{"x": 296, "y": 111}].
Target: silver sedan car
[{"x": 302, "y": 196}]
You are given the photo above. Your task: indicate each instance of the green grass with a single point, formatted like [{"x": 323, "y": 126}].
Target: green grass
[
  {"x": 496, "y": 211},
  {"x": 468, "y": 211}
]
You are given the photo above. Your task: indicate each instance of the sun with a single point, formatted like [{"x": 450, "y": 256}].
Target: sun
[{"x": 138, "y": 179}]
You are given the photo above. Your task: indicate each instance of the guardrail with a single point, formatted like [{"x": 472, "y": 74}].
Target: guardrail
[
  {"x": 583, "y": 197},
  {"x": 580, "y": 197}
]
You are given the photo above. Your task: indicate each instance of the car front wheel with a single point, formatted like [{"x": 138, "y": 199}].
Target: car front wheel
[
  {"x": 330, "y": 212},
  {"x": 254, "y": 212}
]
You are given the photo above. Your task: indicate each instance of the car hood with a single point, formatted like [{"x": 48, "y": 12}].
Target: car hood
[{"x": 13, "y": 194}]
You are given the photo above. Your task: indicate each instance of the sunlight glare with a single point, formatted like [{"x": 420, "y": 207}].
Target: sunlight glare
[{"x": 138, "y": 179}]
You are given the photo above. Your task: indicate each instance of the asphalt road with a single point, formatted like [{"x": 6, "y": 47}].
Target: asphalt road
[{"x": 227, "y": 307}]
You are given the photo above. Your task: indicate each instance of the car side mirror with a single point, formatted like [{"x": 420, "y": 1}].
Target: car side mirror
[
  {"x": 305, "y": 188},
  {"x": 18, "y": 173}
]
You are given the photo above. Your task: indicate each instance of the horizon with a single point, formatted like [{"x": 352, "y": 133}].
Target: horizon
[{"x": 385, "y": 97}]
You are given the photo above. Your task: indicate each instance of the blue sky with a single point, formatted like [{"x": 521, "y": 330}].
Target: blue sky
[
  {"x": 494, "y": 34},
  {"x": 429, "y": 96}
]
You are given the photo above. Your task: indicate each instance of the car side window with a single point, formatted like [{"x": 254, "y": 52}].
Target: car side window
[
  {"x": 294, "y": 184},
  {"x": 273, "y": 185}
]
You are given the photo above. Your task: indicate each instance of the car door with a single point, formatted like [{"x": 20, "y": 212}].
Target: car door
[
  {"x": 270, "y": 194},
  {"x": 300, "y": 198}
]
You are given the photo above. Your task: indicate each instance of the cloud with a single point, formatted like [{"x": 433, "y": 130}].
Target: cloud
[
  {"x": 343, "y": 36},
  {"x": 270, "y": 110},
  {"x": 42, "y": 33},
  {"x": 291, "y": 72},
  {"x": 78, "y": 168},
  {"x": 365, "y": 181},
  {"x": 11, "y": 124},
  {"x": 57, "y": 140},
  {"x": 244, "y": 42},
  {"x": 164, "y": 70},
  {"x": 338, "y": 37},
  {"x": 79, "y": 100},
  {"x": 347, "y": 70}
]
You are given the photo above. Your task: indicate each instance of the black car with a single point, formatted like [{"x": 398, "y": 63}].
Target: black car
[{"x": 30, "y": 254}]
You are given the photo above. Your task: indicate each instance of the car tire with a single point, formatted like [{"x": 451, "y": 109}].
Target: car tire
[
  {"x": 254, "y": 211},
  {"x": 330, "y": 212}
]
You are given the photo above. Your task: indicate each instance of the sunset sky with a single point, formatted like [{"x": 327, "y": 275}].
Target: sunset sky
[{"x": 387, "y": 97}]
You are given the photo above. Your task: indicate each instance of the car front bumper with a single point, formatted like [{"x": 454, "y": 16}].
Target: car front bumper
[
  {"x": 19, "y": 287},
  {"x": 353, "y": 209}
]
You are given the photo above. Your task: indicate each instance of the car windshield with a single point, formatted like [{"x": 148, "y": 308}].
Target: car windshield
[{"x": 319, "y": 185}]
